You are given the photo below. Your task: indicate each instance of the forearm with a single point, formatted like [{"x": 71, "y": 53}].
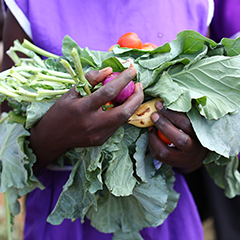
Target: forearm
[{"x": 43, "y": 148}]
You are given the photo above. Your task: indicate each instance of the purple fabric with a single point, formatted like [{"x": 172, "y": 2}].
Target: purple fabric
[
  {"x": 98, "y": 25},
  {"x": 182, "y": 224},
  {"x": 225, "y": 22}
]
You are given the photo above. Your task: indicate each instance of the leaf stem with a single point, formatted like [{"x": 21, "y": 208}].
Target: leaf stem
[
  {"x": 31, "y": 46},
  {"x": 70, "y": 70},
  {"x": 3, "y": 119},
  {"x": 41, "y": 76},
  {"x": 19, "y": 48},
  {"x": 8, "y": 216},
  {"x": 78, "y": 65}
]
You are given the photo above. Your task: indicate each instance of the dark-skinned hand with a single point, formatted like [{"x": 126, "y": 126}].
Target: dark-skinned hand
[
  {"x": 75, "y": 121},
  {"x": 188, "y": 153}
]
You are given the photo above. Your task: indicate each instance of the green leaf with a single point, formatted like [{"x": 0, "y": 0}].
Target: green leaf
[
  {"x": 149, "y": 205},
  {"x": 226, "y": 176},
  {"x": 139, "y": 156},
  {"x": 134, "y": 235},
  {"x": 113, "y": 62},
  {"x": 191, "y": 41},
  {"x": 16, "y": 161},
  {"x": 12, "y": 156},
  {"x": 232, "y": 46},
  {"x": 35, "y": 112},
  {"x": 213, "y": 78},
  {"x": 220, "y": 136},
  {"x": 75, "y": 198},
  {"x": 119, "y": 177}
]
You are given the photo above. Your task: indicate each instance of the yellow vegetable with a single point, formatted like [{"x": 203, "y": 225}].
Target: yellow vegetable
[{"x": 141, "y": 118}]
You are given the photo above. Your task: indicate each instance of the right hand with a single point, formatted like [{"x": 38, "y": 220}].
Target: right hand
[{"x": 75, "y": 121}]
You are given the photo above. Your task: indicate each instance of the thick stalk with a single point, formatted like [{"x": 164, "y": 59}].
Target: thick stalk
[
  {"x": 38, "y": 50},
  {"x": 19, "y": 48},
  {"x": 41, "y": 76},
  {"x": 70, "y": 70},
  {"x": 78, "y": 65}
]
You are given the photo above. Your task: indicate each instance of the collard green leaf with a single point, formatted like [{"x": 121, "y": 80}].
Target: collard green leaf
[
  {"x": 214, "y": 78},
  {"x": 113, "y": 62},
  {"x": 134, "y": 235},
  {"x": 232, "y": 46},
  {"x": 75, "y": 198},
  {"x": 119, "y": 177},
  {"x": 131, "y": 133},
  {"x": 12, "y": 156},
  {"x": 157, "y": 196},
  {"x": 190, "y": 41},
  {"x": 35, "y": 112},
  {"x": 16, "y": 161},
  {"x": 226, "y": 176},
  {"x": 149, "y": 205},
  {"x": 139, "y": 156},
  {"x": 212, "y": 133}
]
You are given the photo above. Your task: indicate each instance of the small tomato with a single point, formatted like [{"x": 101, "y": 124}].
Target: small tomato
[
  {"x": 149, "y": 46},
  {"x": 111, "y": 48},
  {"x": 130, "y": 40},
  {"x": 163, "y": 138}
]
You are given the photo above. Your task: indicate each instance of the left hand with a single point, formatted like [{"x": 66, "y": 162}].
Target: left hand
[{"x": 188, "y": 153}]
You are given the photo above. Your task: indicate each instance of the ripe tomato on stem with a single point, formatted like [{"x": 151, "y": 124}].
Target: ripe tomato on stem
[
  {"x": 163, "y": 138},
  {"x": 130, "y": 40}
]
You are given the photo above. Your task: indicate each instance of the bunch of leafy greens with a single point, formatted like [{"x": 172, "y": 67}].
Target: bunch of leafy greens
[{"x": 116, "y": 185}]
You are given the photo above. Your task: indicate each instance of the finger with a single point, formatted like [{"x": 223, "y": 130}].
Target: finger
[
  {"x": 120, "y": 114},
  {"x": 109, "y": 91},
  {"x": 160, "y": 151},
  {"x": 126, "y": 110},
  {"x": 95, "y": 77},
  {"x": 175, "y": 135},
  {"x": 72, "y": 93},
  {"x": 180, "y": 120}
]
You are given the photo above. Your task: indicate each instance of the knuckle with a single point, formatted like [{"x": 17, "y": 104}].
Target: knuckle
[
  {"x": 90, "y": 75},
  {"x": 183, "y": 141},
  {"x": 96, "y": 140},
  {"x": 162, "y": 123},
  {"x": 109, "y": 91},
  {"x": 163, "y": 154}
]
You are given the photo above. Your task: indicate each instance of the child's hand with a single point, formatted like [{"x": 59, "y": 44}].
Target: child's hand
[
  {"x": 74, "y": 121},
  {"x": 188, "y": 153}
]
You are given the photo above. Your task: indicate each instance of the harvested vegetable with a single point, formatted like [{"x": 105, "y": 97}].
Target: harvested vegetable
[
  {"x": 130, "y": 40},
  {"x": 149, "y": 46},
  {"x": 125, "y": 93},
  {"x": 142, "y": 117},
  {"x": 163, "y": 138},
  {"x": 192, "y": 74}
]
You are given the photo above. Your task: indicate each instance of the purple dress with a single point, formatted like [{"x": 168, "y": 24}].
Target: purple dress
[
  {"x": 225, "y": 22},
  {"x": 98, "y": 25}
]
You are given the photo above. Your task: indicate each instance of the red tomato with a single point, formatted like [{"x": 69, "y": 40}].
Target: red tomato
[
  {"x": 163, "y": 138},
  {"x": 130, "y": 40},
  {"x": 149, "y": 46}
]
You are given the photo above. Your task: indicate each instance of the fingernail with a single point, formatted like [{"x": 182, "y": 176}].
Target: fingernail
[
  {"x": 155, "y": 117},
  {"x": 132, "y": 72},
  {"x": 141, "y": 86},
  {"x": 159, "y": 105},
  {"x": 105, "y": 69}
]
